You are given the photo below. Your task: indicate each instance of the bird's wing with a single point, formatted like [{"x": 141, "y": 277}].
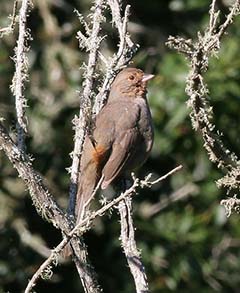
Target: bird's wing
[{"x": 122, "y": 149}]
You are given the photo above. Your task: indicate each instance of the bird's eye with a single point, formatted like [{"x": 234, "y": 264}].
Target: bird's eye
[{"x": 131, "y": 77}]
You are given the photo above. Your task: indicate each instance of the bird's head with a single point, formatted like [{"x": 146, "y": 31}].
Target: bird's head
[{"x": 130, "y": 83}]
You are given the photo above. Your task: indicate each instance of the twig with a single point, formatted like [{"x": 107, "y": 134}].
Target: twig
[
  {"x": 87, "y": 222},
  {"x": 151, "y": 183},
  {"x": 92, "y": 196},
  {"x": 213, "y": 17},
  {"x": 45, "y": 204},
  {"x": 121, "y": 25},
  {"x": 231, "y": 204},
  {"x": 21, "y": 73},
  {"x": 126, "y": 50},
  {"x": 129, "y": 246},
  {"x": 9, "y": 29},
  {"x": 235, "y": 10}
]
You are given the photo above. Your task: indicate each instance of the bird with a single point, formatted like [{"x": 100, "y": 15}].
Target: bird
[{"x": 121, "y": 139}]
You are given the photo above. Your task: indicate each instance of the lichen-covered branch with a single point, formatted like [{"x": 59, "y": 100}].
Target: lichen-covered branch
[
  {"x": 91, "y": 43},
  {"x": 46, "y": 206},
  {"x": 198, "y": 54},
  {"x": 129, "y": 246},
  {"x": 21, "y": 73},
  {"x": 87, "y": 223},
  {"x": 82, "y": 124},
  {"x": 231, "y": 204}
]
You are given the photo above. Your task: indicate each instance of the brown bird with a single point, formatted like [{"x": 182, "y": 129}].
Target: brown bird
[{"x": 122, "y": 138}]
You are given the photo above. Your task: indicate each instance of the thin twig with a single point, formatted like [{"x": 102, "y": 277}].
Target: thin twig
[
  {"x": 10, "y": 28},
  {"x": 151, "y": 183},
  {"x": 213, "y": 17},
  {"x": 235, "y": 9}
]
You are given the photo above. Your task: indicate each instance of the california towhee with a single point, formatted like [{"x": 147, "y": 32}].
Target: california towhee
[{"x": 122, "y": 138}]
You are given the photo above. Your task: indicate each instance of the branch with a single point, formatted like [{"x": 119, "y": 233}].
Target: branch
[
  {"x": 234, "y": 11},
  {"x": 126, "y": 50},
  {"x": 82, "y": 124},
  {"x": 205, "y": 46},
  {"x": 46, "y": 206},
  {"x": 129, "y": 246},
  {"x": 21, "y": 73},
  {"x": 87, "y": 223}
]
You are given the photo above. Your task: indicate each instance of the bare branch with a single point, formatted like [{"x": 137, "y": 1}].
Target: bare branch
[
  {"x": 151, "y": 183},
  {"x": 42, "y": 199},
  {"x": 181, "y": 45},
  {"x": 213, "y": 17},
  {"x": 121, "y": 24}
]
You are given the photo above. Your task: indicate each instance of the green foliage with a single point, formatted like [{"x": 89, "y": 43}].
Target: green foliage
[{"x": 189, "y": 245}]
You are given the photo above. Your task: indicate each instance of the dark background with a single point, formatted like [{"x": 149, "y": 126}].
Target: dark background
[{"x": 190, "y": 244}]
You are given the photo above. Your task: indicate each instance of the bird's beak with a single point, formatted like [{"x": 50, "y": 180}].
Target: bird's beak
[{"x": 147, "y": 77}]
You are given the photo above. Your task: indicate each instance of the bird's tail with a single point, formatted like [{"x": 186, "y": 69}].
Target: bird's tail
[
  {"x": 87, "y": 182},
  {"x": 84, "y": 196}
]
